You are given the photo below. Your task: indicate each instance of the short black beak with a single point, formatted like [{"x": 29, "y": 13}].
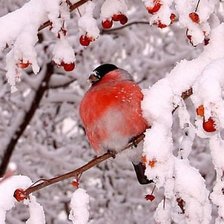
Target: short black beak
[{"x": 93, "y": 78}]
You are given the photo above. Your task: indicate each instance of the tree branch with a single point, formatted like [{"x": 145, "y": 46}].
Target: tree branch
[
  {"x": 81, "y": 2},
  {"x": 78, "y": 172},
  {"x": 71, "y": 8},
  {"x": 27, "y": 118}
]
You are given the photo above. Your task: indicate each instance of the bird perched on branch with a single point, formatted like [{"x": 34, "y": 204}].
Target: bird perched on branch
[{"x": 111, "y": 112}]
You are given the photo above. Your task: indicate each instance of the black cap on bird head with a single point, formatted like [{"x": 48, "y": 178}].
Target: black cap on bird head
[{"x": 100, "y": 71}]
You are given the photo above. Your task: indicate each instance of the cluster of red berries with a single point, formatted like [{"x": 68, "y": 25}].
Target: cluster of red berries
[
  {"x": 189, "y": 37},
  {"x": 68, "y": 67},
  {"x": 154, "y": 9},
  {"x": 196, "y": 19},
  {"x": 162, "y": 25},
  {"x": 108, "y": 23},
  {"x": 208, "y": 125}
]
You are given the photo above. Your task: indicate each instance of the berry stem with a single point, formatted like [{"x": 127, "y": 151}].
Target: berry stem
[
  {"x": 153, "y": 189},
  {"x": 80, "y": 15},
  {"x": 164, "y": 203},
  {"x": 197, "y": 5}
]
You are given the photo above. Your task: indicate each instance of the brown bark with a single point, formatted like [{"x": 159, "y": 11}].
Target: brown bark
[{"x": 27, "y": 118}]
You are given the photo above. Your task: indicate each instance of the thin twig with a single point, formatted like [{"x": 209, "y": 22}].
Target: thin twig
[
  {"x": 197, "y": 6},
  {"x": 79, "y": 171},
  {"x": 104, "y": 31}
]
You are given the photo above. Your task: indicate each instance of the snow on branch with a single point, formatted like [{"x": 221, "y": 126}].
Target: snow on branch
[
  {"x": 22, "y": 191},
  {"x": 11, "y": 192},
  {"x": 186, "y": 197},
  {"x": 24, "y": 24},
  {"x": 8, "y": 189},
  {"x": 22, "y": 27},
  {"x": 184, "y": 187},
  {"x": 79, "y": 207}
]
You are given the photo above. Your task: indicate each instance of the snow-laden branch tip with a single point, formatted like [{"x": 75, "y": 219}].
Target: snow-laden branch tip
[
  {"x": 204, "y": 74},
  {"x": 8, "y": 201}
]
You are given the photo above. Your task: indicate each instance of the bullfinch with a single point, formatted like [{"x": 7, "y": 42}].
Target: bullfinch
[{"x": 111, "y": 112}]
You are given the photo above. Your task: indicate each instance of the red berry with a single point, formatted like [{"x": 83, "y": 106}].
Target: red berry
[
  {"x": 155, "y": 8},
  {"x": 172, "y": 17},
  {"x": 161, "y": 25},
  {"x": 84, "y": 40},
  {"x": 123, "y": 19},
  {"x": 23, "y": 64},
  {"x": 116, "y": 17},
  {"x": 200, "y": 111},
  {"x": 120, "y": 17},
  {"x": 68, "y": 67},
  {"x": 149, "y": 197},
  {"x": 20, "y": 194},
  {"x": 107, "y": 24},
  {"x": 75, "y": 183},
  {"x": 209, "y": 125},
  {"x": 194, "y": 17}
]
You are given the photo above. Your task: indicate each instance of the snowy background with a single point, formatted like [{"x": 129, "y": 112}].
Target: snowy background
[{"x": 46, "y": 107}]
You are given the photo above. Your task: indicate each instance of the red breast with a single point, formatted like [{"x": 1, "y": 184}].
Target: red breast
[{"x": 111, "y": 111}]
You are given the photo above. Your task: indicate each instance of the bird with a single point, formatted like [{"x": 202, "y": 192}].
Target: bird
[{"x": 111, "y": 113}]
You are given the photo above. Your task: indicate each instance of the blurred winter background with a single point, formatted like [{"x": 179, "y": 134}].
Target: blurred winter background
[{"x": 54, "y": 141}]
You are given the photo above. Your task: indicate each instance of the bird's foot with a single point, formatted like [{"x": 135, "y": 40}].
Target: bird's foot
[
  {"x": 112, "y": 153},
  {"x": 134, "y": 141}
]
